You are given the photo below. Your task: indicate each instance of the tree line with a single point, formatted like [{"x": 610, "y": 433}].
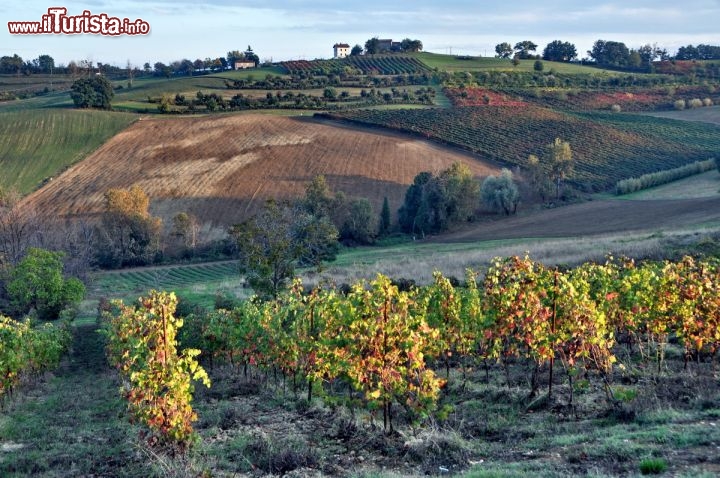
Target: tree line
[
  {"x": 607, "y": 53},
  {"x": 434, "y": 203},
  {"x": 604, "y": 53},
  {"x": 45, "y": 64},
  {"x": 374, "y": 45}
]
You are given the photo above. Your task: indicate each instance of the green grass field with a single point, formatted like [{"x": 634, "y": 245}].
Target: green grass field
[
  {"x": 454, "y": 63},
  {"x": 198, "y": 283},
  {"x": 154, "y": 87},
  {"x": 36, "y": 144}
]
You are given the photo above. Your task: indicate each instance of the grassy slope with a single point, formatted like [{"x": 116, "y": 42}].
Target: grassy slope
[
  {"x": 706, "y": 115},
  {"x": 74, "y": 423},
  {"x": 197, "y": 283},
  {"x": 452, "y": 63},
  {"x": 144, "y": 87},
  {"x": 32, "y": 83},
  {"x": 36, "y": 144}
]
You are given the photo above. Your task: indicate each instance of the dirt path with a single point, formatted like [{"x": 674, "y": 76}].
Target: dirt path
[
  {"x": 594, "y": 218},
  {"x": 74, "y": 423}
]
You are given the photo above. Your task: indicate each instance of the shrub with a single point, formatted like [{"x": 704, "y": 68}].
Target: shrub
[
  {"x": 538, "y": 65},
  {"x": 653, "y": 466},
  {"x": 360, "y": 226},
  {"x": 707, "y": 102},
  {"x": 279, "y": 458},
  {"x": 500, "y": 193},
  {"x": 679, "y": 105},
  {"x": 615, "y": 108},
  {"x": 695, "y": 103},
  {"x": 438, "y": 450},
  {"x": 37, "y": 283}
]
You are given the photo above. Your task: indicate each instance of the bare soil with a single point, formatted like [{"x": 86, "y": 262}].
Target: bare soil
[
  {"x": 594, "y": 217},
  {"x": 223, "y": 168}
]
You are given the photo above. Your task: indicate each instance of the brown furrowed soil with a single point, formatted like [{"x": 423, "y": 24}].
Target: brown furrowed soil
[
  {"x": 223, "y": 168},
  {"x": 595, "y": 217}
]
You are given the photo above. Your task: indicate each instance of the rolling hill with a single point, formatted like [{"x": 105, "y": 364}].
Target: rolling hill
[
  {"x": 606, "y": 147},
  {"x": 223, "y": 168}
]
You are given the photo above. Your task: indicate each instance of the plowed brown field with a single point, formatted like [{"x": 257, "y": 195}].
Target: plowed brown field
[{"x": 223, "y": 168}]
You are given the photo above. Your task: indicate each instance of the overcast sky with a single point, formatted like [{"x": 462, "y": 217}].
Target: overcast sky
[{"x": 293, "y": 29}]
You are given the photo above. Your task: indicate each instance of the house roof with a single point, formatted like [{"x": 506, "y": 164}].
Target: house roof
[{"x": 341, "y": 45}]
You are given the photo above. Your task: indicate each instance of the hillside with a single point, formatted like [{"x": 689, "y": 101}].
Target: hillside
[
  {"x": 223, "y": 168},
  {"x": 36, "y": 144},
  {"x": 606, "y": 147},
  {"x": 483, "y": 63}
]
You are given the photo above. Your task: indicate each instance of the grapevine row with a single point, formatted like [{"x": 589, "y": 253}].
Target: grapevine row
[
  {"x": 385, "y": 343},
  {"x": 27, "y": 350},
  {"x": 158, "y": 380},
  {"x": 378, "y": 65}
]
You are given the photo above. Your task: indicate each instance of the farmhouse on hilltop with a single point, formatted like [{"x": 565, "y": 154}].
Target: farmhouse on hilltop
[
  {"x": 386, "y": 44},
  {"x": 341, "y": 50},
  {"x": 243, "y": 64}
]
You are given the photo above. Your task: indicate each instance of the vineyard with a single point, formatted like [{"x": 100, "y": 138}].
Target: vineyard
[
  {"x": 199, "y": 282},
  {"x": 399, "y": 354},
  {"x": 381, "y": 341},
  {"x": 170, "y": 277},
  {"x": 606, "y": 147},
  {"x": 159, "y": 379},
  {"x": 627, "y": 99},
  {"x": 576, "y": 99},
  {"x": 481, "y": 97},
  {"x": 367, "y": 65},
  {"x": 26, "y": 350}
]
